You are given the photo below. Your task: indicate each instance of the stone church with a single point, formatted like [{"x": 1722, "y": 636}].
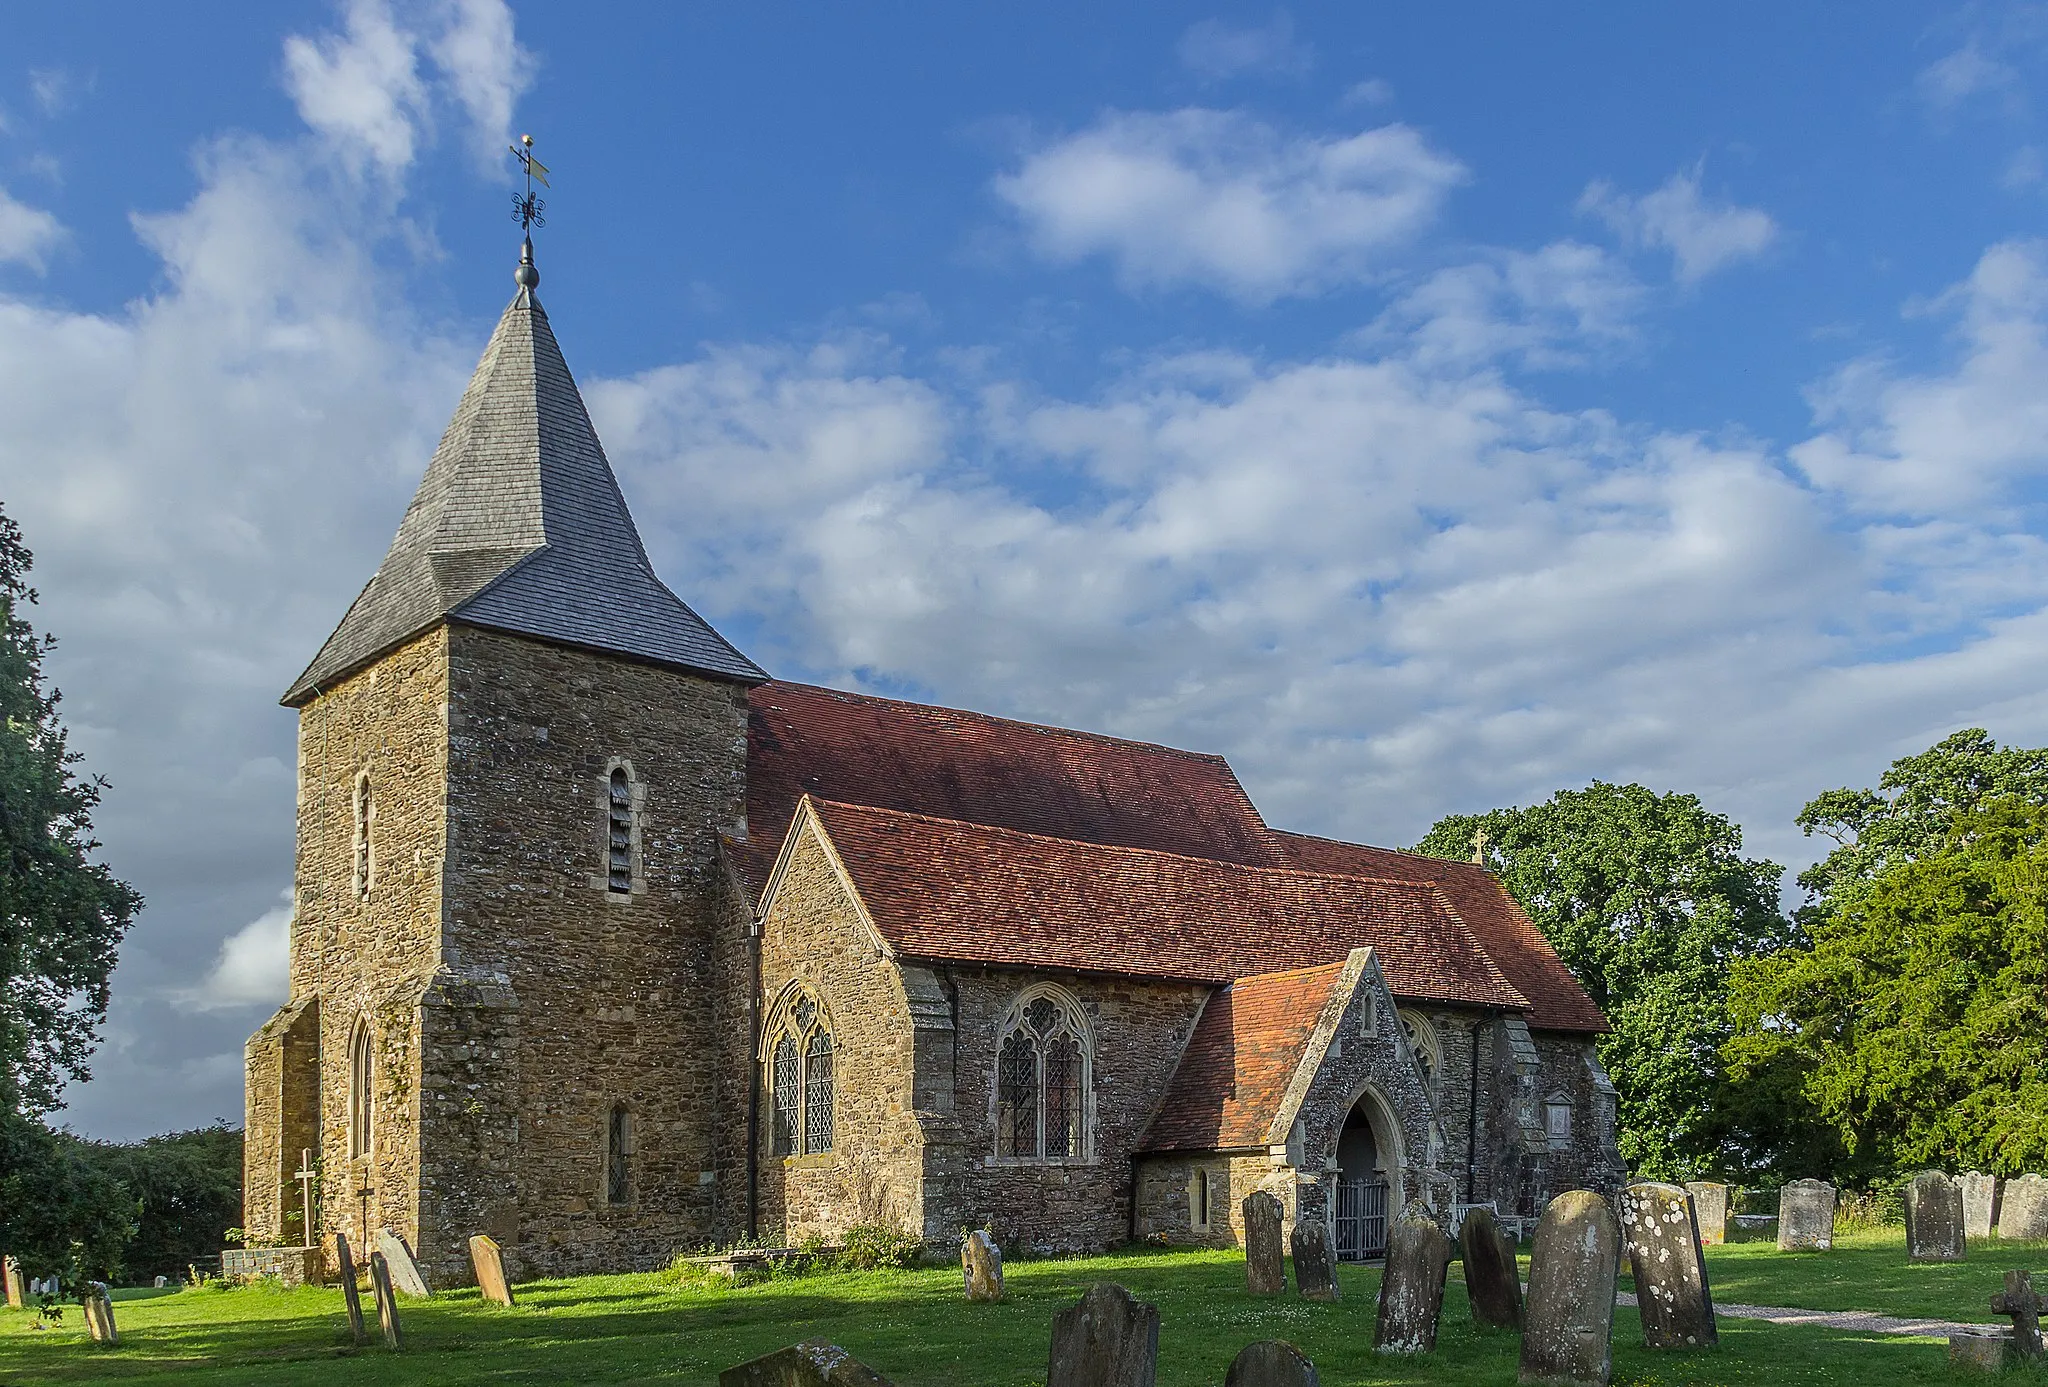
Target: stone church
[{"x": 611, "y": 946}]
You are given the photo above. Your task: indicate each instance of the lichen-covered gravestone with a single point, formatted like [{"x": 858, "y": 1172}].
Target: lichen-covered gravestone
[
  {"x": 1674, "y": 1300},
  {"x": 489, "y": 1260},
  {"x": 812, "y": 1363},
  {"x": 387, "y": 1303},
  {"x": 1980, "y": 1204},
  {"x": 351, "y": 1299},
  {"x": 1806, "y": 1216},
  {"x": 99, "y": 1314},
  {"x": 1709, "y": 1211},
  {"x": 1315, "y": 1265},
  {"x": 1265, "y": 1246},
  {"x": 1493, "y": 1283},
  {"x": 981, "y": 1267},
  {"x": 1412, "y": 1286},
  {"x": 1982, "y": 1350},
  {"x": 1568, "y": 1325},
  {"x": 1271, "y": 1363},
  {"x": 1108, "y": 1339},
  {"x": 403, "y": 1267},
  {"x": 1934, "y": 1218},
  {"x": 2023, "y": 1208}
]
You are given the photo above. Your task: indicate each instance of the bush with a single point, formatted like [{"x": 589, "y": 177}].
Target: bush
[{"x": 873, "y": 1246}]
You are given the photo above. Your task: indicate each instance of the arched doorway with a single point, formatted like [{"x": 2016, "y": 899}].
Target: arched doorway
[{"x": 1368, "y": 1174}]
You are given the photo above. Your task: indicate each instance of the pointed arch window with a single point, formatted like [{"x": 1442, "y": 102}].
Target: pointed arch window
[
  {"x": 1045, "y": 1064},
  {"x": 801, "y": 1078},
  {"x": 364, "y": 873},
  {"x": 619, "y": 804},
  {"x": 361, "y": 1103}
]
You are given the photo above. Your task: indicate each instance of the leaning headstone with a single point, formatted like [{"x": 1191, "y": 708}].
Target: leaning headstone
[
  {"x": 1271, "y": 1363},
  {"x": 1709, "y": 1211},
  {"x": 1265, "y": 1249},
  {"x": 1568, "y": 1326},
  {"x": 812, "y": 1363},
  {"x": 1980, "y": 1205},
  {"x": 2023, "y": 1208},
  {"x": 981, "y": 1267},
  {"x": 1934, "y": 1218},
  {"x": 1676, "y": 1304},
  {"x": 489, "y": 1260},
  {"x": 351, "y": 1299},
  {"x": 405, "y": 1270},
  {"x": 11, "y": 1269},
  {"x": 1983, "y": 1351},
  {"x": 1107, "y": 1339},
  {"x": 1412, "y": 1286},
  {"x": 2020, "y": 1300},
  {"x": 1315, "y": 1265},
  {"x": 1493, "y": 1283},
  {"x": 387, "y": 1303},
  {"x": 1806, "y": 1216},
  {"x": 99, "y": 1314}
]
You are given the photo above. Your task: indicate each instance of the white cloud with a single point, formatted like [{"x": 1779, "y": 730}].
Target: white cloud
[
  {"x": 1702, "y": 236},
  {"x": 1220, "y": 199},
  {"x": 487, "y": 68},
  {"x": 1217, "y": 50},
  {"x": 27, "y": 234},
  {"x": 1374, "y": 91},
  {"x": 1968, "y": 71},
  {"x": 1558, "y": 306},
  {"x": 253, "y": 967}
]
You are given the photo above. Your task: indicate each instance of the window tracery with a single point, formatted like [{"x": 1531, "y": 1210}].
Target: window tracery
[
  {"x": 801, "y": 1079},
  {"x": 1424, "y": 1044},
  {"x": 1044, "y": 1079}
]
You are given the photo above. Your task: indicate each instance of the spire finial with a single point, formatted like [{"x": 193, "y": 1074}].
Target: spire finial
[{"x": 526, "y": 210}]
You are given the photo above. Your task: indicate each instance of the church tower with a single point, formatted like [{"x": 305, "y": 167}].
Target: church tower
[{"x": 516, "y": 754}]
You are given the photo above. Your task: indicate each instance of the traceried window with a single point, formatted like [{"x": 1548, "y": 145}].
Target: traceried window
[
  {"x": 618, "y": 1156},
  {"x": 800, "y": 1078},
  {"x": 360, "y": 1101},
  {"x": 364, "y": 875},
  {"x": 1423, "y": 1041},
  {"x": 619, "y": 803},
  {"x": 1044, "y": 1075}
]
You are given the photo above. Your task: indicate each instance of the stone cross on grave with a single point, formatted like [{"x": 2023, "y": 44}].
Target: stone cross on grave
[
  {"x": 306, "y": 1175},
  {"x": 2020, "y": 1300}
]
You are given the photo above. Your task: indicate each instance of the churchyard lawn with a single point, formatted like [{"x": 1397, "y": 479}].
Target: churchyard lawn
[
  {"x": 916, "y": 1328},
  {"x": 1867, "y": 1270}
]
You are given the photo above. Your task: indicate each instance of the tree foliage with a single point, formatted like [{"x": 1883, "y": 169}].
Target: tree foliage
[
  {"x": 1648, "y": 900},
  {"x": 60, "y": 1214},
  {"x": 187, "y": 1188}
]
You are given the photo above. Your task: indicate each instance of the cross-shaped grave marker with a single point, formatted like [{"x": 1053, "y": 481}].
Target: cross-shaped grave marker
[
  {"x": 306, "y": 1175},
  {"x": 2020, "y": 1300}
]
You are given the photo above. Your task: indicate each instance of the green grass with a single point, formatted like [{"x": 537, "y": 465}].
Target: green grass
[
  {"x": 912, "y": 1326},
  {"x": 1868, "y": 1270}
]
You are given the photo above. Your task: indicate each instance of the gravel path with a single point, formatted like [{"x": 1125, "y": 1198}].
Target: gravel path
[{"x": 1865, "y": 1320}]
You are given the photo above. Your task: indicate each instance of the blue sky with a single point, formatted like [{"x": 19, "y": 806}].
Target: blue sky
[{"x": 1428, "y": 407}]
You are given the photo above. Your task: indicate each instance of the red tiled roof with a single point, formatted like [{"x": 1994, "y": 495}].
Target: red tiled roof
[
  {"x": 941, "y": 889},
  {"x": 1238, "y": 1063},
  {"x": 1517, "y": 947}
]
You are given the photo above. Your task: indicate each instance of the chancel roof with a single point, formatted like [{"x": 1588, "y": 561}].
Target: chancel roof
[{"x": 519, "y": 525}]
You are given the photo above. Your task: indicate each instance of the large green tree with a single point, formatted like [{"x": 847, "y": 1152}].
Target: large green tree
[{"x": 1648, "y": 899}]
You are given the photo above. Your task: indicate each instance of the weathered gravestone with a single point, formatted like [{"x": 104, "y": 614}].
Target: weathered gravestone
[
  {"x": 1315, "y": 1265},
  {"x": 99, "y": 1314},
  {"x": 1806, "y": 1216},
  {"x": 1709, "y": 1211},
  {"x": 1271, "y": 1363},
  {"x": 1412, "y": 1286},
  {"x": 351, "y": 1299},
  {"x": 1265, "y": 1249},
  {"x": 1493, "y": 1283},
  {"x": 1675, "y": 1302},
  {"x": 404, "y": 1270},
  {"x": 2020, "y": 1300},
  {"x": 1984, "y": 1351},
  {"x": 812, "y": 1363},
  {"x": 1934, "y": 1218},
  {"x": 1980, "y": 1205},
  {"x": 160, "y": 1283},
  {"x": 16, "y": 1293},
  {"x": 1107, "y": 1339},
  {"x": 489, "y": 1260},
  {"x": 1568, "y": 1325},
  {"x": 387, "y": 1303},
  {"x": 981, "y": 1267},
  {"x": 2023, "y": 1208}
]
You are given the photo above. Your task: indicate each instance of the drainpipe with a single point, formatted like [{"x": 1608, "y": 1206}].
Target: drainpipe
[
  {"x": 753, "y": 1078},
  {"x": 1472, "y": 1117}
]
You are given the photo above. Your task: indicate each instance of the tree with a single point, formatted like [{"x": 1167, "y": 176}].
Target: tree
[
  {"x": 1915, "y": 1023},
  {"x": 1648, "y": 900},
  {"x": 187, "y": 1187},
  {"x": 60, "y": 1215}
]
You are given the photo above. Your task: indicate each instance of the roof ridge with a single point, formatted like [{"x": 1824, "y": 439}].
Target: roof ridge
[{"x": 1374, "y": 847}]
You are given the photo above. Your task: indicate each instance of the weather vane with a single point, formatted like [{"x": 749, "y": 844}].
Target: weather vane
[{"x": 527, "y": 210}]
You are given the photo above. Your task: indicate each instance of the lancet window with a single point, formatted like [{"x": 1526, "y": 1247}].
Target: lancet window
[
  {"x": 360, "y": 1099},
  {"x": 1045, "y": 1063},
  {"x": 618, "y": 1163},
  {"x": 619, "y": 804},
  {"x": 801, "y": 1077},
  {"x": 365, "y": 869}
]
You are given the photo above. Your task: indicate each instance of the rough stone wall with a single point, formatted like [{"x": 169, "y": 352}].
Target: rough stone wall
[
  {"x": 1590, "y": 1160},
  {"x": 735, "y": 1017},
  {"x": 1166, "y": 1195},
  {"x": 1451, "y": 1094}
]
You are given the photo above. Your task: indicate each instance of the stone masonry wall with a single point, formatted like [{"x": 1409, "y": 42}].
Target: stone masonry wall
[{"x": 1166, "y": 1195}]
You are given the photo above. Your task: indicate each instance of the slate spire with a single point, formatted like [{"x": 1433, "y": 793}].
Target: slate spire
[{"x": 518, "y": 525}]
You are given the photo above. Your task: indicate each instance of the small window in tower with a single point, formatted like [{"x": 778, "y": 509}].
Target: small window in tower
[
  {"x": 618, "y": 1166},
  {"x": 360, "y": 1099},
  {"x": 619, "y": 833},
  {"x": 365, "y": 872}
]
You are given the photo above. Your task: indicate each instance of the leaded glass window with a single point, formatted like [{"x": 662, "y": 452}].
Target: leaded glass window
[
  {"x": 1017, "y": 1097},
  {"x": 801, "y": 1078},
  {"x": 1043, "y": 1079},
  {"x": 618, "y": 1178},
  {"x": 789, "y": 1091},
  {"x": 818, "y": 1092}
]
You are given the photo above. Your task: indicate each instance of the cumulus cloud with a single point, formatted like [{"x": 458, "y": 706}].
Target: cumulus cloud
[
  {"x": 253, "y": 967},
  {"x": 1219, "y": 199},
  {"x": 1562, "y": 305},
  {"x": 1968, "y": 71},
  {"x": 27, "y": 234},
  {"x": 1702, "y": 235},
  {"x": 1216, "y": 50}
]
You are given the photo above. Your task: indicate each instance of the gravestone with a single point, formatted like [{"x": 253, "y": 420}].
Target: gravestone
[
  {"x": 489, "y": 1261},
  {"x": 1934, "y": 1218},
  {"x": 1709, "y": 1211},
  {"x": 2020, "y": 1300},
  {"x": 981, "y": 1267},
  {"x": 1980, "y": 1205},
  {"x": 351, "y": 1299},
  {"x": 1271, "y": 1363},
  {"x": 404, "y": 1270},
  {"x": 17, "y": 1296},
  {"x": 387, "y": 1303},
  {"x": 812, "y": 1363},
  {"x": 1412, "y": 1286},
  {"x": 1568, "y": 1324},
  {"x": 160, "y": 1283},
  {"x": 1493, "y": 1283},
  {"x": 1984, "y": 1351},
  {"x": 1265, "y": 1249},
  {"x": 2023, "y": 1208},
  {"x": 1675, "y": 1302},
  {"x": 1315, "y": 1265},
  {"x": 1806, "y": 1216},
  {"x": 1107, "y": 1339},
  {"x": 99, "y": 1314}
]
